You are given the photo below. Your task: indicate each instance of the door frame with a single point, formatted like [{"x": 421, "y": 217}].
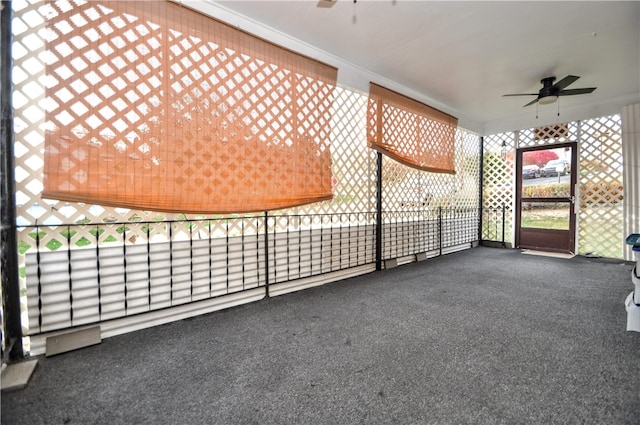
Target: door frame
[{"x": 531, "y": 236}]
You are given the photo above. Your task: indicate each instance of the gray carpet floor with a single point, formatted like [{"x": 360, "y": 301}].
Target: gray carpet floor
[{"x": 480, "y": 336}]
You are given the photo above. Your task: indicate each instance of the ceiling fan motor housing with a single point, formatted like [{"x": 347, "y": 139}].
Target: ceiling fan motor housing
[{"x": 548, "y": 89}]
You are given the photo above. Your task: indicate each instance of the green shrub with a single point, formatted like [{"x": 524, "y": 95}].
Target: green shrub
[{"x": 547, "y": 191}]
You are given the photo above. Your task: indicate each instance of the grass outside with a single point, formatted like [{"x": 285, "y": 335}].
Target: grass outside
[
  {"x": 542, "y": 222},
  {"x": 546, "y": 218}
]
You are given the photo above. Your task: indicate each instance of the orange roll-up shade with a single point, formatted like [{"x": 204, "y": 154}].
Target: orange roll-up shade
[
  {"x": 410, "y": 132},
  {"x": 154, "y": 106}
]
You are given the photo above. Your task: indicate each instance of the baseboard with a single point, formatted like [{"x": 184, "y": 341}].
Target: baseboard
[{"x": 73, "y": 340}]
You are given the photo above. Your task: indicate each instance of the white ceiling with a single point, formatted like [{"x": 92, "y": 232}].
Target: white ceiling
[{"x": 466, "y": 55}]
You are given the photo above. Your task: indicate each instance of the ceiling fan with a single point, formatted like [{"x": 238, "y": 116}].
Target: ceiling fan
[{"x": 549, "y": 92}]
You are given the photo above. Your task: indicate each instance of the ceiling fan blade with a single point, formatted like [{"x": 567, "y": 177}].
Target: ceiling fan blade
[
  {"x": 566, "y": 81},
  {"x": 520, "y": 94},
  {"x": 531, "y": 103},
  {"x": 570, "y": 92}
]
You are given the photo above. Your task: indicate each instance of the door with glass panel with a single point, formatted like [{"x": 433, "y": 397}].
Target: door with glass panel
[{"x": 545, "y": 197}]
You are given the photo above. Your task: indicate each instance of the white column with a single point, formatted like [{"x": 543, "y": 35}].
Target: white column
[{"x": 631, "y": 171}]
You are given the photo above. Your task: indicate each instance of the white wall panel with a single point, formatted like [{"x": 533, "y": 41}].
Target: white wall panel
[
  {"x": 115, "y": 282},
  {"x": 631, "y": 164}
]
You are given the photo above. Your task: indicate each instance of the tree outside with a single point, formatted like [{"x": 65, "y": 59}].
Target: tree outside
[{"x": 539, "y": 158}]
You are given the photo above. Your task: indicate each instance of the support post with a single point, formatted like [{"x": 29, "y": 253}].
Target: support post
[
  {"x": 481, "y": 189},
  {"x": 8, "y": 242},
  {"x": 379, "y": 212},
  {"x": 440, "y": 231},
  {"x": 504, "y": 215},
  {"x": 266, "y": 252}
]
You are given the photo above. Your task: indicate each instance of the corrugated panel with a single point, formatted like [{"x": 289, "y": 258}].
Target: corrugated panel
[
  {"x": 304, "y": 253},
  {"x": 75, "y": 287},
  {"x": 417, "y": 234}
]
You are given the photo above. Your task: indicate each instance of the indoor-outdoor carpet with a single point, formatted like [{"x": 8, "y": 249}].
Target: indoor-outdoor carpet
[{"x": 480, "y": 336}]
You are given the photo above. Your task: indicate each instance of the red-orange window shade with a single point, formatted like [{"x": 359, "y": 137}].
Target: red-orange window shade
[
  {"x": 410, "y": 132},
  {"x": 154, "y": 106}
]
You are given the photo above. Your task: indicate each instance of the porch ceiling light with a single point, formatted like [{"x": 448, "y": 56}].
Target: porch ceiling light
[{"x": 547, "y": 100}]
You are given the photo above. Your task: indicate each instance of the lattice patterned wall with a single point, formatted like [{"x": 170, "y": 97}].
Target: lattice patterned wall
[
  {"x": 30, "y": 81},
  {"x": 412, "y": 201},
  {"x": 154, "y": 106},
  {"x": 601, "y": 214},
  {"x": 353, "y": 163},
  {"x": 353, "y": 166},
  {"x": 408, "y": 189},
  {"x": 467, "y": 164},
  {"x": 498, "y": 186},
  {"x": 600, "y": 210},
  {"x": 543, "y": 136}
]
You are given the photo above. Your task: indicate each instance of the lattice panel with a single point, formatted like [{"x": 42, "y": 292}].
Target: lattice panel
[
  {"x": 408, "y": 189},
  {"x": 549, "y": 135},
  {"x": 353, "y": 165},
  {"x": 467, "y": 160},
  {"x": 600, "y": 210},
  {"x": 185, "y": 113},
  {"x": 414, "y": 201},
  {"x": 601, "y": 216},
  {"x": 498, "y": 184},
  {"x": 353, "y": 162},
  {"x": 353, "y": 168},
  {"x": 30, "y": 81},
  {"x": 409, "y": 131}
]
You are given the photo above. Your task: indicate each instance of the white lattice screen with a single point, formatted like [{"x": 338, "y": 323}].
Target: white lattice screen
[
  {"x": 601, "y": 216},
  {"x": 498, "y": 186},
  {"x": 413, "y": 201},
  {"x": 547, "y": 135},
  {"x": 354, "y": 185},
  {"x": 600, "y": 210},
  {"x": 467, "y": 164},
  {"x": 408, "y": 189},
  {"x": 353, "y": 163}
]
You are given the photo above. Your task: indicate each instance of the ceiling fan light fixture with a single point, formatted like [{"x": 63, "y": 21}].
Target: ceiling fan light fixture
[{"x": 548, "y": 100}]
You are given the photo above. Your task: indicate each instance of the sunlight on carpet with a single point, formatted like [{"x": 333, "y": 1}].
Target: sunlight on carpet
[{"x": 548, "y": 254}]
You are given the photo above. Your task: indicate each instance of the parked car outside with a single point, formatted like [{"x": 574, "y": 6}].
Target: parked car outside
[
  {"x": 555, "y": 167},
  {"x": 530, "y": 171}
]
